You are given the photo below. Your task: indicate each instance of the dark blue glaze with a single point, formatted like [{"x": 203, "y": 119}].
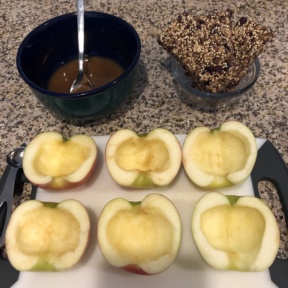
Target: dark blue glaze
[{"x": 55, "y": 42}]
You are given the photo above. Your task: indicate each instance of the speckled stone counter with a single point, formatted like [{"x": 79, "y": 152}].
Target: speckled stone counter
[{"x": 156, "y": 101}]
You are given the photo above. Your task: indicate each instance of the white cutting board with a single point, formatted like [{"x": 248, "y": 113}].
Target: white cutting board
[{"x": 188, "y": 271}]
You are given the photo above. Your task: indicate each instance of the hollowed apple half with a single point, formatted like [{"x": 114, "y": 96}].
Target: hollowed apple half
[
  {"x": 235, "y": 233},
  {"x": 219, "y": 157},
  {"x": 53, "y": 162},
  {"x": 140, "y": 237},
  {"x": 143, "y": 161},
  {"x": 45, "y": 236}
]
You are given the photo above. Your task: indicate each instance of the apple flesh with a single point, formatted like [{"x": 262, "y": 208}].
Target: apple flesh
[
  {"x": 220, "y": 157},
  {"x": 143, "y": 161},
  {"x": 52, "y": 162},
  {"x": 140, "y": 237},
  {"x": 235, "y": 232},
  {"x": 45, "y": 236}
]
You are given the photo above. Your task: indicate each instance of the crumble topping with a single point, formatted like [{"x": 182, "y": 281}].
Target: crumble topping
[{"x": 213, "y": 52}]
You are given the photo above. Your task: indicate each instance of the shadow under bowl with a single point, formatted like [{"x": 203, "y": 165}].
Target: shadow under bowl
[
  {"x": 212, "y": 101},
  {"x": 55, "y": 42}
]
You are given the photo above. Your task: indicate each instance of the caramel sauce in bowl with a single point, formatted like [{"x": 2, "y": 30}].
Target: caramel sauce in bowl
[
  {"x": 54, "y": 44},
  {"x": 99, "y": 70}
]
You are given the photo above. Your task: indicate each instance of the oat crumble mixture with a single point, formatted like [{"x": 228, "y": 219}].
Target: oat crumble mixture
[{"x": 213, "y": 51}]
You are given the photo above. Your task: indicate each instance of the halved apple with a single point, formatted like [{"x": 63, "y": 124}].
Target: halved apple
[
  {"x": 140, "y": 237},
  {"x": 235, "y": 233},
  {"x": 143, "y": 161},
  {"x": 220, "y": 157},
  {"x": 53, "y": 162},
  {"x": 45, "y": 236}
]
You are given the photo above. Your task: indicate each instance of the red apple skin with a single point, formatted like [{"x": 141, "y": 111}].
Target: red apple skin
[
  {"x": 132, "y": 267},
  {"x": 135, "y": 269},
  {"x": 66, "y": 184}
]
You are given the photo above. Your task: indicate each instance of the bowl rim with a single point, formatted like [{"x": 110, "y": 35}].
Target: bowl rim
[
  {"x": 54, "y": 20},
  {"x": 210, "y": 95}
]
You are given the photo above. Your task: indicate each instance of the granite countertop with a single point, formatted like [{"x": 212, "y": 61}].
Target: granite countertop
[{"x": 157, "y": 102}]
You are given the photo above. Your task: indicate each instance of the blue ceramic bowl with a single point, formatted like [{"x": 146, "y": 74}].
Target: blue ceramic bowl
[{"x": 55, "y": 42}]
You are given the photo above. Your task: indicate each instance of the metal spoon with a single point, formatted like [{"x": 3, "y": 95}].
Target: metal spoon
[
  {"x": 7, "y": 187},
  {"x": 81, "y": 83}
]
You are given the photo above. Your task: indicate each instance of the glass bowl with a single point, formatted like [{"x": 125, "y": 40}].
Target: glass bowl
[{"x": 212, "y": 101}]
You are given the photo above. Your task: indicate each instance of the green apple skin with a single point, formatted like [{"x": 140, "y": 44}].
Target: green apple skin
[
  {"x": 22, "y": 261},
  {"x": 143, "y": 181},
  {"x": 209, "y": 178}
]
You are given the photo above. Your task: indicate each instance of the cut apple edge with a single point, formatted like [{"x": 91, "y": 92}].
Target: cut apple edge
[
  {"x": 80, "y": 175},
  {"x": 80, "y": 213},
  {"x": 201, "y": 178},
  {"x": 219, "y": 259},
  {"x": 206, "y": 250},
  {"x": 111, "y": 254},
  {"x": 271, "y": 233},
  {"x": 19, "y": 260},
  {"x": 128, "y": 177},
  {"x": 23, "y": 262},
  {"x": 236, "y": 126},
  {"x": 123, "y": 177},
  {"x": 175, "y": 155}
]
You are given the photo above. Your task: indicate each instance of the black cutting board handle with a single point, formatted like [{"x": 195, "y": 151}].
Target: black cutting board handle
[{"x": 271, "y": 167}]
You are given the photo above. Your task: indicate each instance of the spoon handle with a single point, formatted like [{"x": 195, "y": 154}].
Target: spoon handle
[
  {"x": 7, "y": 186},
  {"x": 80, "y": 20}
]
